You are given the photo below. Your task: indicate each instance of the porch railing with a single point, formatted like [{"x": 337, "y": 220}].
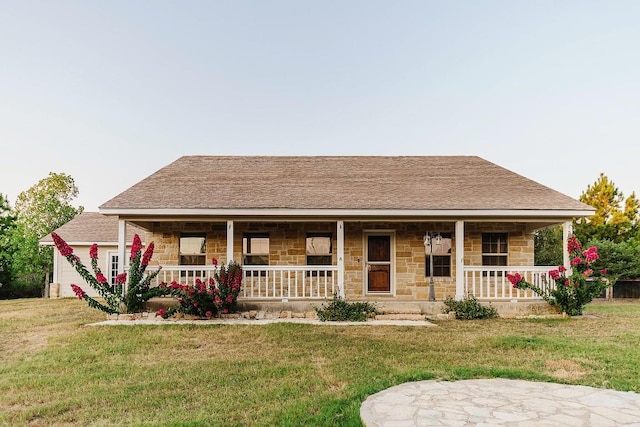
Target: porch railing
[
  {"x": 184, "y": 274},
  {"x": 289, "y": 282},
  {"x": 265, "y": 282},
  {"x": 320, "y": 282},
  {"x": 492, "y": 283}
]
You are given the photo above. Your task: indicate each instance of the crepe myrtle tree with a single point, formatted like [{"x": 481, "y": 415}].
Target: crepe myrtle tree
[
  {"x": 570, "y": 289},
  {"x": 117, "y": 297}
]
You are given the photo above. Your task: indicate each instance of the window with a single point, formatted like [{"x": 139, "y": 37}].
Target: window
[
  {"x": 319, "y": 250},
  {"x": 255, "y": 249},
  {"x": 193, "y": 249},
  {"x": 494, "y": 249},
  {"x": 113, "y": 268},
  {"x": 441, "y": 257}
]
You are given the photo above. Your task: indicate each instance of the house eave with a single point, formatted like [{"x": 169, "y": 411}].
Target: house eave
[
  {"x": 459, "y": 214},
  {"x": 74, "y": 243}
]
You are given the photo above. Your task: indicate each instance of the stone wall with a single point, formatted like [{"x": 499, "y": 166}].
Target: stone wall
[
  {"x": 409, "y": 281},
  {"x": 520, "y": 243},
  {"x": 287, "y": 241},
  {"x": 287, "y": 247},
  {"x": 166, "y": 237}
]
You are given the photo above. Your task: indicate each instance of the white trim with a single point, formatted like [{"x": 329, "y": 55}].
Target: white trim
[
  {"x": 229, "y": 241},
  {"x": 566, "y": 233},
  {"x": 392, "y": 261},
  {"x": 86, "y": 243},
  {"x": 459, "y": 235},
  {"x": 438, "y": 213},
  {"x": 537, "y": 222},
  {"x": 340, "y": 238},
  {"x": 110, "y": 277},
  {"x": 122, "y": 244},
  {"x": 56, "y": 267}
]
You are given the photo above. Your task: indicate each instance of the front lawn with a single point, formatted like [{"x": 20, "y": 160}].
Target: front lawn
[{"x": 54, "y": 370}]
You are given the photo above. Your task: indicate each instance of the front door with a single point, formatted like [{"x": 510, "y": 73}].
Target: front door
[{"x": 378, "y": 263}]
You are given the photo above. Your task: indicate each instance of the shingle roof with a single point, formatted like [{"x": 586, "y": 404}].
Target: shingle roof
[
  {"x": 93, "y": 227},
  {"x": 346, "y": 182}
]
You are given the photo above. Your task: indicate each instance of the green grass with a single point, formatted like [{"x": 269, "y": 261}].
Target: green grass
[{"x": 54, "y": 370}]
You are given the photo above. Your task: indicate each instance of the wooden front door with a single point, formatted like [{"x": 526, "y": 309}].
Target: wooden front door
[{"x": 378, "y": 268}]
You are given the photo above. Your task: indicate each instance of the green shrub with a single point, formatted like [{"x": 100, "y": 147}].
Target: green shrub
[
  {"x": 341, "y": 310},
  {"x": 18, "y": 289},
  {"x": 469, "y": 308}
]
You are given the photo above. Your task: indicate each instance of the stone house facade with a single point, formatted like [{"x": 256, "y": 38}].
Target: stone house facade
[
  {"x": 362, "y": 227},
  {"x": 287, "y": 246}
]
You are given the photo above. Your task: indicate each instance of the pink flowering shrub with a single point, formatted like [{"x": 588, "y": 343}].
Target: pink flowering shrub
[
  {"x": 118, "y": 298},
  {"x": 208, "y": 298},
  {"x": 571, "y": 291}
]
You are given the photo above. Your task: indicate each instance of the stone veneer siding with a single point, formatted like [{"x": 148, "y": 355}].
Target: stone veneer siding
[
  {"x": 166, "y": 237},
  {"x": 287, "y": 247}
]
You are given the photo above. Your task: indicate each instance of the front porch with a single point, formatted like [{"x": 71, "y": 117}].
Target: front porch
[
  {"x": 385, "y": 262},
  {"x": 296, "y": 291},
  {"x": 319, "y": 283}
]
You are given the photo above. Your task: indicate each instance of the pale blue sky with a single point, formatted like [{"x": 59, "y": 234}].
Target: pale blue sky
[{"x": 111, "y": 91}]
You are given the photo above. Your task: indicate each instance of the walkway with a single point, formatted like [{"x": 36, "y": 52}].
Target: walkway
[
  {"x": 499, "y": 402},
  {"x": 242, "y": 321}
]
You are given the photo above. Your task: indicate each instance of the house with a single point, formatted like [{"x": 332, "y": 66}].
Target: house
[
  {"x": 397, "y": 230},
  {"x": 81, "y": 232}
]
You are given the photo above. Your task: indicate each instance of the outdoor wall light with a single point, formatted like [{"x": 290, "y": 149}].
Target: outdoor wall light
[{"x": 431, "y": 238}]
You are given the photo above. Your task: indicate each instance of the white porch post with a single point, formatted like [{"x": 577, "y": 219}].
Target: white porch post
[
  {"x": 459, "y": 260},
  {"x": 122, "y": 249},
  {"x": 566, "y": 233},
  {"x": 229, "y": 241},
  {"x": 56, "y": 267},
  {"x": 340, "y": 238},
  {"x": 122, "y": 244}
]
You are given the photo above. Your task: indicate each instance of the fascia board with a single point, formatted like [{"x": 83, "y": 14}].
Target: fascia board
[{"x": 344, "y": 213}]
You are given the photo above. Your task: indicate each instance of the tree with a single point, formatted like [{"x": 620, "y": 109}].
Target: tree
[
  {"x": 47, "y": 205},
  {"x": 548, "y": 246},
  {"x": 622, "y": 260},
  {"x": 7, "y": 223},
  {"x": 615, "y": 219},
  {"x": 40, "y": 210},
  {"x": 613, "y": 229}
]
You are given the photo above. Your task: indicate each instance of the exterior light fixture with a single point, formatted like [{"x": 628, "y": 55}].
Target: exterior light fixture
[{"x": 431, "y": 238}]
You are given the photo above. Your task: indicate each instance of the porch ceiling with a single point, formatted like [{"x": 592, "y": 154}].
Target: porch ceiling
[{"x": 531, "y": 224}]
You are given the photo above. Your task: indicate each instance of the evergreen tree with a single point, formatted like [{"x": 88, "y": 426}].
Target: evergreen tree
[
  {"x": 613, "y": 229},
  {"x": 615, "y": 219}
]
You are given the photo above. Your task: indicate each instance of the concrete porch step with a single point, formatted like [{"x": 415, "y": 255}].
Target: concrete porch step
[{"x": 400, "y": 316}]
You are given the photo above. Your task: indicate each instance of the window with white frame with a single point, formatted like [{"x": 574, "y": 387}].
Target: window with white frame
[
  {"x": 113, "y": 268},
  {"x": 319, "y": 249},
  {"x": 255, "y": 249},
  {"x": 193, "y": 249},
  {"x": 441, "y": 256},
  {"x": 495, "y": 249}
]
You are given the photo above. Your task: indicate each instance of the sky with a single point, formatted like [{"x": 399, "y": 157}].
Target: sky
[{"x": 111, "y": 91}]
